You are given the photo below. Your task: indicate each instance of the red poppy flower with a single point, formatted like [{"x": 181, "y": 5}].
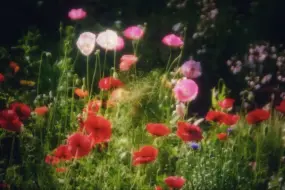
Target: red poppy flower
[
  {"x": 188, "y": 132},
  {"x": 2, "y": 78},
  {"x": 41, "y": 110},
  {"x": 215, "y": 116},
  {"x": 229, "y": 119},
  {"x": 99, "y": 128},
  {"x": 52, "y": 160},
  {"x": 157, "y": 129},
  {"x": 81, "y": 93},
  {"x": 62, "y": 152},
  {"x": 4, "y": 186},
  {"x": 257, "y": 115},
  {"x": 23, "y": 111},
  {"x": 226, "y": 103},
  {"x": 158, "y": 188},
  {"x": 145, "y": 155},
  {"x": 79, "y": 145},
  {"x": 14, "y": 66},
  {"x": 93, "y": 106},
  {"x": 109, "y": 82},
  {"x": 61, "y": 170},
  {"x": 281, "y": 107},
  {"x": 222, "y": 136},
  {"x": 10, "y": 121},
  {"x": 175, "y": 182}
]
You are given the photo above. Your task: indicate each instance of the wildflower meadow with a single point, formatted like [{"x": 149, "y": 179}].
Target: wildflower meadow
[{"x": 112, "y": 126}]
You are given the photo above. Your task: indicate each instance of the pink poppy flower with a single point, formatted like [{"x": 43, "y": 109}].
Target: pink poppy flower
[
  {"x": 172, "y": 40},
  {"x": 191, "y": 69},
  {"x": 127, "y": 61},
  {"x": 134, "y": 33},
  {"x": 120, "y": 44},
  {"x": 185, "y": 90},
  {"x": 124, "y": 66},
  {"x": 86, "y": 43},
  {"x": 77, "y": 14},
  {"x": 107, "y": 40}
]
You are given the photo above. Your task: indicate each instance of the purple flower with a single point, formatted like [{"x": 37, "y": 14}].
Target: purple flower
[
  {"x": 230, "y": 130},
  {"x": 191, "y": 69},
  {"x": 194, "y": 145}
]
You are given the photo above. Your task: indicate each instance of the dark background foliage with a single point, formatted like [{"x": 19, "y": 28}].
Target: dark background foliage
[
  {"x": 239, "y": 23},
  {"x": 263, "y": 18}
]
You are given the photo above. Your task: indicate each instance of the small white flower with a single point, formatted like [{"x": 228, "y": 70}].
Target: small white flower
[
  {"x": 107, "y": 40},
  {"x": 86, "y": 43}
]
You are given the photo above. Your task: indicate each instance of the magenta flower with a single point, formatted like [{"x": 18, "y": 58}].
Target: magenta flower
[
  {"x": 172, "y": 40},
  {"x": 134, "y": 33},
  {"x": 108, "y": 40},
  {"x": 121, "y": 44},
  {"x": 185, "y": 90},
  {"x": 86, "y": 43},
  {"x": 77, "y": 14},
  {"x": 191, "y": 69}
]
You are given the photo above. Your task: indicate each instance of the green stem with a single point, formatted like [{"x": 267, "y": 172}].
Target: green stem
[
  {"x": 104, "y": 64},
  {"x": 114, "y": 60},
  {"x": 12, "y": 150},
  {"x": 177, "y": 59},
  {"x": 169, "y": 58},
  {"x": 40, "y": 68},
  {"x": 94, "y": 74},
  {"x": 72, "y": 101},
  {"x": 183, "y": 47},
  {"x": 87, "y": 74},
  {"x": 134, "y": 46},
  {"x": 68, "y": 171}
]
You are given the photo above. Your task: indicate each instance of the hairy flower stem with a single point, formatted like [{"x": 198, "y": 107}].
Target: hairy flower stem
[
  {"x": 12, "y": 150},
  {"x": 40, "y": 69},
  {"x": 94, "y": 74},
  {"x": 87, "y": 75},
  {"x": 169, "y": 59},
  {"x": 114, "y": 60},
  {"x": 104, "y": 64}
]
